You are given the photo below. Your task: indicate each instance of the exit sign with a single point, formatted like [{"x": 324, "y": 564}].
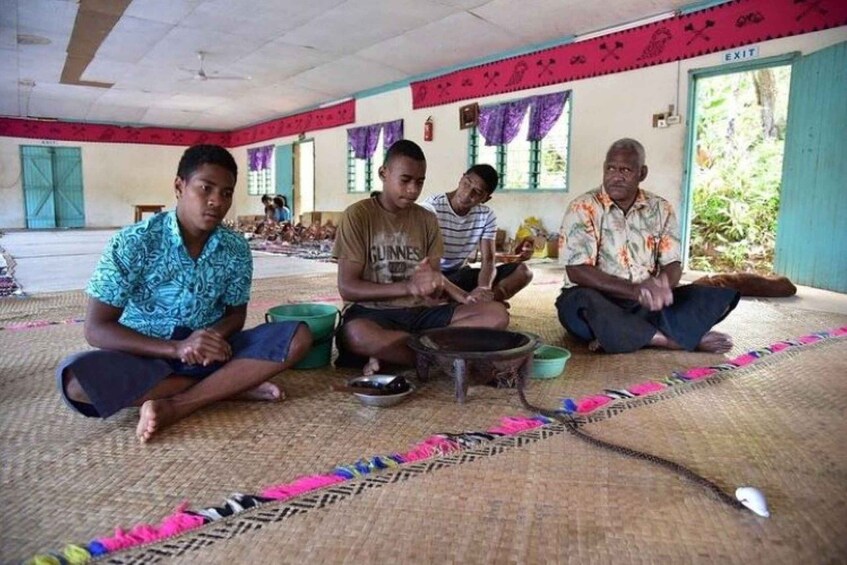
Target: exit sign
[{"x": 741, "y": 54}]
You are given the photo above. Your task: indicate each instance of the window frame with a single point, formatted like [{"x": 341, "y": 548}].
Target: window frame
[
  {"x": 254, "y": 184},
  {"x": 535, "y": 155},
  {"x": 371, "y": 167}
]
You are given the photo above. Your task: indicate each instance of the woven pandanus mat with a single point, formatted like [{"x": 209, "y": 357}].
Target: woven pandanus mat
[
  {"x": 64, "y": 478},
  {"x": 547, "y": 497},
  {"x": 551, "y": 498}
]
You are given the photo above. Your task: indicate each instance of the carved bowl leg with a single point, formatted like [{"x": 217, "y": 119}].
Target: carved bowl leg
[
  {"x": 422, "y": 365},
  {"x": 460, "y": 373}
]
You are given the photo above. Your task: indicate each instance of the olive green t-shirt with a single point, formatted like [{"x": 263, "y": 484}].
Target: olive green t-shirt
[{"x": 390, "y": 244}]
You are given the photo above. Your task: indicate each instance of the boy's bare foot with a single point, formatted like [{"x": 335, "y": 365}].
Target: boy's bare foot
[
  {"x": 265, "y": 392},
  {"x": 371, "y": 367},
  {"x": 154, "y": 416},
  {"x": 595, "y": 346},
  {"x": 715, "y": 342}
]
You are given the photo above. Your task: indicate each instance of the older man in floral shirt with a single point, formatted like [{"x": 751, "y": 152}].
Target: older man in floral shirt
[{"x": 621, "y": 248}]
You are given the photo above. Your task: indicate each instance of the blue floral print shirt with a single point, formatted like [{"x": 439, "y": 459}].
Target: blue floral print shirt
[{"x": 146, "y": 270}]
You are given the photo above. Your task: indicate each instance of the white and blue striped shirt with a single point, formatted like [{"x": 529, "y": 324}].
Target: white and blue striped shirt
[{"x": 461, "y": 234}]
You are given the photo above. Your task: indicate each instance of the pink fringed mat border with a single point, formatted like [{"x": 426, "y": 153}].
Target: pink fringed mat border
[{"x": 514, "y": 431}]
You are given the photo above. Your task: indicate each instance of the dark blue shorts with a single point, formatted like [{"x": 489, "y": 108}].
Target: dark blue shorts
[
  {"x": 114, "y": 380},
  {"x": 467, "y": 278}
]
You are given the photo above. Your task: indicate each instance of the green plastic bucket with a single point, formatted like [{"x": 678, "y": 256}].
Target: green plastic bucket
[{"x": 321, "y": 319}]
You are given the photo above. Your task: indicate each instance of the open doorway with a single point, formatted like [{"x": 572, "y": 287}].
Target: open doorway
[
  {"x": 735, "y": 166},
  {"x": 304, "y": 175}
]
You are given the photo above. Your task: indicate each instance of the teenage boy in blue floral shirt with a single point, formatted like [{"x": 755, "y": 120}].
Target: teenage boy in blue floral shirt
[{"x": 168, "y": 301}]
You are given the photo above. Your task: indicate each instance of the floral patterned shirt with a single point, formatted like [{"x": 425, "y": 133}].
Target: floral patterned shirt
[
  {"x": 147, "y": 271},
  {"x": 631, "y": 246}
]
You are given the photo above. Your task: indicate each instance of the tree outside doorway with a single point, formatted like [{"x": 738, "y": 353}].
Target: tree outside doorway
[{"x": 740, "y": 136}]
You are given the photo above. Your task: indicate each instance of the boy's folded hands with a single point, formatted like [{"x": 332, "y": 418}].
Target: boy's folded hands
[{"x": 203, "y": 347}]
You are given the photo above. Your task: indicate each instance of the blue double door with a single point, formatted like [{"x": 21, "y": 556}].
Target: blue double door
[
  {"x": 811, "y": 238},
  {"x": 52, "y": 183}
]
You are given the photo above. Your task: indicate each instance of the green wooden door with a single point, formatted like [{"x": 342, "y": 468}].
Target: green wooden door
[
  {"x": 67, "y": 185},
  {"x": 52, "y": 183},
  {"x": 37, "y": 172},
  {"x": 284, "y": 165},
  {"x": 811, "y": 240}
]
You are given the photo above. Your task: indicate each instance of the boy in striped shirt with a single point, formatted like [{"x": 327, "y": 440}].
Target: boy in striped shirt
[{"x": 465, "y": 223}]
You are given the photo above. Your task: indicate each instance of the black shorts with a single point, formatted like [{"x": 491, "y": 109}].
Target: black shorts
[
  {"x": 467, "y": 278},
  {"x": 412, "y": 320}
]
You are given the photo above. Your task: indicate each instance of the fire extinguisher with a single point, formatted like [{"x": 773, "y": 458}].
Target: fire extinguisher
[{"x": 428, "y": 124}]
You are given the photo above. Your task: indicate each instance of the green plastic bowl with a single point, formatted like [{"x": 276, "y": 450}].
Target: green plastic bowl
[{"x": 548, "y": 361}]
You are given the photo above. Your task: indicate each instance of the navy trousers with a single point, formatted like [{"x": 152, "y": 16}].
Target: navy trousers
[{"x": 621, "y": 325}]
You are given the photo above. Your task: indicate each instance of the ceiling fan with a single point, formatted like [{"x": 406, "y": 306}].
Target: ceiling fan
[{"x": 200, "y": 73}]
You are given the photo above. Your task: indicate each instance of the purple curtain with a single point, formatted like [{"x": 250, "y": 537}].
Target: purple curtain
[
  {"x": 392, "y": 131},
  {"x": 499, "y": 123},
  {"x": 546, "y": 109},
  {"x": 363, "y": 140},
  {"x": 259, "y": 158}
]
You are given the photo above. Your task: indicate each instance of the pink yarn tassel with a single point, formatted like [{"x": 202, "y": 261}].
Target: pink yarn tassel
[
  {"x": 744, "y": 359},
  {"x": 807, "y": 339},
  {"x": 591, "y": 403},
  {"x": 301, "y": 485},
  {"x": 780, "y": 346},
  {"x": 26, "y": 325},
  {"x": 176, "y": 523},
  {"x": 839, "y": 331},
  {"x": 511, "y": 426},
  {"x": 646, "y": 388},
  {"x": 699, "y": 372},
  {"x": 428, "y": 448}
]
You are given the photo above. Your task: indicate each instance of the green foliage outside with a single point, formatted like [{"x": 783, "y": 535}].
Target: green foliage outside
[
  {"x": 738, "y": 170},
  {"x": 553, "y": 167}
]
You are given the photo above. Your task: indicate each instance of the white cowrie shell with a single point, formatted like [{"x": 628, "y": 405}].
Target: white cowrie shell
[{"x": 752, "y": 498}]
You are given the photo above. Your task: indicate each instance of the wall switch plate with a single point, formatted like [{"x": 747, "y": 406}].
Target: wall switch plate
[
  {"x": 661, "y": 123},
  {"x": 671, "y": 120}
]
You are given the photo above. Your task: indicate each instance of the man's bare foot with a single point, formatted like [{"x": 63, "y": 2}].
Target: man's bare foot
[
  {"x": 663, "y": 341},
  {"x": 265, "y": 392},
  {"x": 715, "y": 342},
  {"x": 371, "y": 367},
  {"x": 712, "y": 342},
  {"x": 595, "y": 346},
  {"x": 154, "y": 415}
]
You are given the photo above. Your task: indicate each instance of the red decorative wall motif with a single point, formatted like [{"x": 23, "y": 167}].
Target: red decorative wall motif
[
  {"x": 722, "y": 27},
  {"x": 321, "y": 118}
]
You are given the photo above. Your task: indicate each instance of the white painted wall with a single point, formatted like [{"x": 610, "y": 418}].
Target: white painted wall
[
  {"x": 606, "y": 108},
  {"x": 115, "y": 177}
]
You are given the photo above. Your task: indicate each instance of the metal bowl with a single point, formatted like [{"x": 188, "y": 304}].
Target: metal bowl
[{"x": 381, "y": 400}]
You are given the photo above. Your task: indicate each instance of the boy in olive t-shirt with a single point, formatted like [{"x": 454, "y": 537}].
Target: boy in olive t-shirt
[{"x": 388, "y": 250}]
